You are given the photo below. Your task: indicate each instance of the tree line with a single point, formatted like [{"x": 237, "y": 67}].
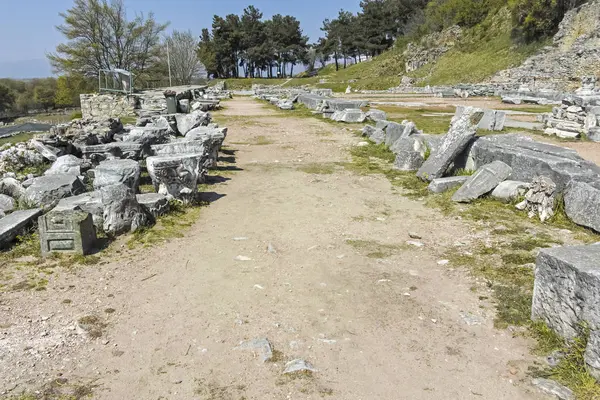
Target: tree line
[
  {"x": 22, "y": 96},
  {"x": 249, "y": 46}
]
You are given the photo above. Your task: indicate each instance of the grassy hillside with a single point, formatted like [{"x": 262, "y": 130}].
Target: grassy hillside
[{"x": 483, "y": 51}]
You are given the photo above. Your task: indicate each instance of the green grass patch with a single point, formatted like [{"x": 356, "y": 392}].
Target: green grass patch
[
  {"x": 25, "y": 245},
  {"x": 21, "y": 137},
  {"x": 483, "y": 51},
  {"x": 424, "y": 117},
  {"x": 128, "y": 120},
  {"x": 373, "y": 249},
  {"x": 370, "y": 159},
  {"x": 540, "y": 240},
  {"x": 463, "y": 172},
  {"x": 529, "y": 109},
  {"x": 169, "y": 226},
  {"x": 571, "y": 371}
]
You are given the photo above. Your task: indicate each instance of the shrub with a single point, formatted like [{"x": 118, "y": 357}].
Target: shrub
[{"x": 536, "y": 19}]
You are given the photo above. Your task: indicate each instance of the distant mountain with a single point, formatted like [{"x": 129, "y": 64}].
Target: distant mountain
[{"x": 25, "y": 69}]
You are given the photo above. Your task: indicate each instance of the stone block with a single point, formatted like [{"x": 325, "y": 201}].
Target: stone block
[
  {"x": 12, "y": 187},
  {"x": 410, "y": 153},
  {"x": 393, "y": 132},
  {"x": 180, "y": 147},
  {"x": 483, "y": 181},
  {"x": 7, "y": 203},
  {"x": 349, "y": 115},
  {"x": 508, "y": 191},
  {"x": 46, "y": 191},
  {"x": 441, "y": 185},
  {"x": 67, "y": 232},
  {"x": 68, "y": 164},
  {"x": 112, "y": 172},
  {"x": 375, "y": 134},
  {"x": 461, "y": 133},
  {"x": 530, "y": 159},
  {"x": 154, "y": 204},
  {"x": 149, "y": 134},
  {"x": 116, "y": 150},
  {"x": 15, "y": 224},
  {"x": 593, "y": 134},
  {"x": 121, "y": 211},
  {"x": 582, "y": 202},
  {"x": 48, "y": 152},
  {"x": 376, "y": 115},
  {"x": 187, "y": 122},
  {"x": 90, "y": 202},
  {"x": 567, "y": 293},
  {"x": 175, "y": 176}
]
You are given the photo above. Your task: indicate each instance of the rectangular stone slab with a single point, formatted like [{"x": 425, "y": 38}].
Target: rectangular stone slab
[
  {"x": 483, "y": 181},
  {"x": 179, "y": 147},
  {"x": 101, "y": 152},
  {"x": 567, "y": 292},
  {"x": 13, "y": 224},
  {"x": 441, "y": 185},
  {"x": 582, "y": 204},
  {"x": 462, "y": 130},
  {"x": 529, "y": 159}
]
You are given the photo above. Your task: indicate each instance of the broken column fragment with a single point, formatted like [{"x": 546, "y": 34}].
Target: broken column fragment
[
  {"x": 462, "y": 130},
  {"x": 122, "y": 213},
  {"x": 155, "y": 204},
  {"x": 175, "y": 176}
]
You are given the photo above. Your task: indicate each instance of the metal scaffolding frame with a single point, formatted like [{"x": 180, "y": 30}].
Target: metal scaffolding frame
[{"x": 115, "y": 80}]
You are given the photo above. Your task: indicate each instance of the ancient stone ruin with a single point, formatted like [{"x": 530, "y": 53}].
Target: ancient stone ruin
[
  {"x": 97, "y": 164},
  {"x": 509, "y": 168}
]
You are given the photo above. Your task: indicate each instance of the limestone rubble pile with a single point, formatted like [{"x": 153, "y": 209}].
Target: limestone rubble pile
[
  {"x": 576, "y": 116},
  {"x": 94, "y": 166}
]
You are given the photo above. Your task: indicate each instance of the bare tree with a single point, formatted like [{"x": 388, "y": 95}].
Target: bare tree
[
  {"x": 101, "y": 37},
  {"x": 183, "y": 57}
]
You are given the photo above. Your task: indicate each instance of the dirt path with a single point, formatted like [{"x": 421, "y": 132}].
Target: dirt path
[{"x": 341, "y": 288}]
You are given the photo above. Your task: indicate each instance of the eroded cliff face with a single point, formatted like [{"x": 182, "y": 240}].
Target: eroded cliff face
[{"x": 575, "y": 52}]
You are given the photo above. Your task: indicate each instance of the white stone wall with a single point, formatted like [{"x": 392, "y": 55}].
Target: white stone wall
[{"x": 107, "y": 105}]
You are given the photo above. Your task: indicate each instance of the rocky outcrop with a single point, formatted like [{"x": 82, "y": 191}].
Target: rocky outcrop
[
  {"x": 575, "y": 52},
  {"x": 431, "y": 47}
]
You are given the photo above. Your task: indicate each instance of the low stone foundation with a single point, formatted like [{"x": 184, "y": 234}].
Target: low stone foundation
[{"x": 108, "y": 105}]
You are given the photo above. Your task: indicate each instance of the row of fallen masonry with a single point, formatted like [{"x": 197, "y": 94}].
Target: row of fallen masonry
[
  {"x": 93, "y": 183},
  {"x": 508, "y": 167}
]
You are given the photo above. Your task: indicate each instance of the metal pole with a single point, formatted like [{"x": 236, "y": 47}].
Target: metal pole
[{"x": 169, "y": 63}]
